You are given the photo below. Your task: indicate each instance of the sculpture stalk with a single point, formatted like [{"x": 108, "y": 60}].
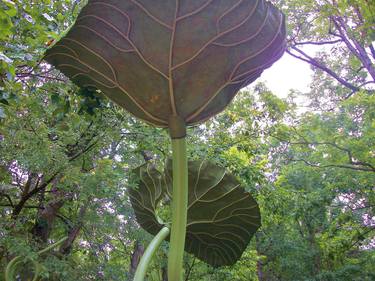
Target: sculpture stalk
[{"x": 179, "y": 209}]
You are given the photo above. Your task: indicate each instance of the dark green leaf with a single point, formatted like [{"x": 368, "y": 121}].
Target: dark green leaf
[
  {"x": 4, "y": 101},
  {"x": 145, "y": 197},
  {"x": 222, "y": 217},
  {"x": 55, "y": 98}
]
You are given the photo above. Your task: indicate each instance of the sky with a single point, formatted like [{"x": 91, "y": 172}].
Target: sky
[{"x": 287, "y": 73}]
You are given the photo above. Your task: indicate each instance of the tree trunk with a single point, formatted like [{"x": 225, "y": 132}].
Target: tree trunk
[
  {"x": 47, "y": 213},
  {"x": 135, "y": 258},
  {"x": 66, "y": 247},
  {"x": 45, "y": 219},
  {"x": 260, "y": 272},
  {"x": 164, "y": 273}
]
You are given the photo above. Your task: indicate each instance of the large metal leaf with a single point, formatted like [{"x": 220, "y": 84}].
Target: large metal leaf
[
  {"x": 158, "y": 58},
  {"x": 222, "y": 217},
  {"x": 146, "y": 196}
]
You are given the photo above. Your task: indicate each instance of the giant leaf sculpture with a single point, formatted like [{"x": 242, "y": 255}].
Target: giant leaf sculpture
[
  {"x": 172, "y": 63},
  {"x": 159, "y": 58},
  {"x": 221, "y": 217}
]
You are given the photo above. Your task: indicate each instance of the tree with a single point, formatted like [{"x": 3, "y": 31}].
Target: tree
[
  {"x": 324, "y": 157},
  {"x": 342, "y": 33}
]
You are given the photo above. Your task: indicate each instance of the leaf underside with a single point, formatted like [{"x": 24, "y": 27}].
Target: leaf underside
[
  {"x": 158, "y": 58},
  {"x": 222, "y": 217}
]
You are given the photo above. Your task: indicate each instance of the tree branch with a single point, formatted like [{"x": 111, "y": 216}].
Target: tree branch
[
  {"x": 306, "y": 58},
  {"x": 66, "y": 247},
  {"x": 315, "y": 165},
  {"x": 355, "y": 242},
  {"x": 372, "y": 49},
  {"x": 25, "y": 75},
  {"x": 370, "y": 168},
  {"x": 7, "y": 197},
  {"x": 18, "y": 208},
  {"x": 189, "y": 270},
  {"x": 317, "y": 43},
  {"x": 354, "y": 46},
  {"x": 26, "y": 207},
  {"x": 78, "y": 154}
]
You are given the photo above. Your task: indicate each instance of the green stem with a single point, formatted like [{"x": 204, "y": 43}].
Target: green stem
[
  {"x": 50, "y": 247},
  {"x": 179, "y": 209},
  {"x": 9, "y": 272},
  {"x": 150, "y": 251}
]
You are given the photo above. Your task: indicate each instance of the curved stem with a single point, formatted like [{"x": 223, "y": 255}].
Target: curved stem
[
  {"x": 150, "y": 251},
  {"x": 9, "y": 272},
  {"x": 179, "y": 209},
  {"x": 50, "y": 247}
]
